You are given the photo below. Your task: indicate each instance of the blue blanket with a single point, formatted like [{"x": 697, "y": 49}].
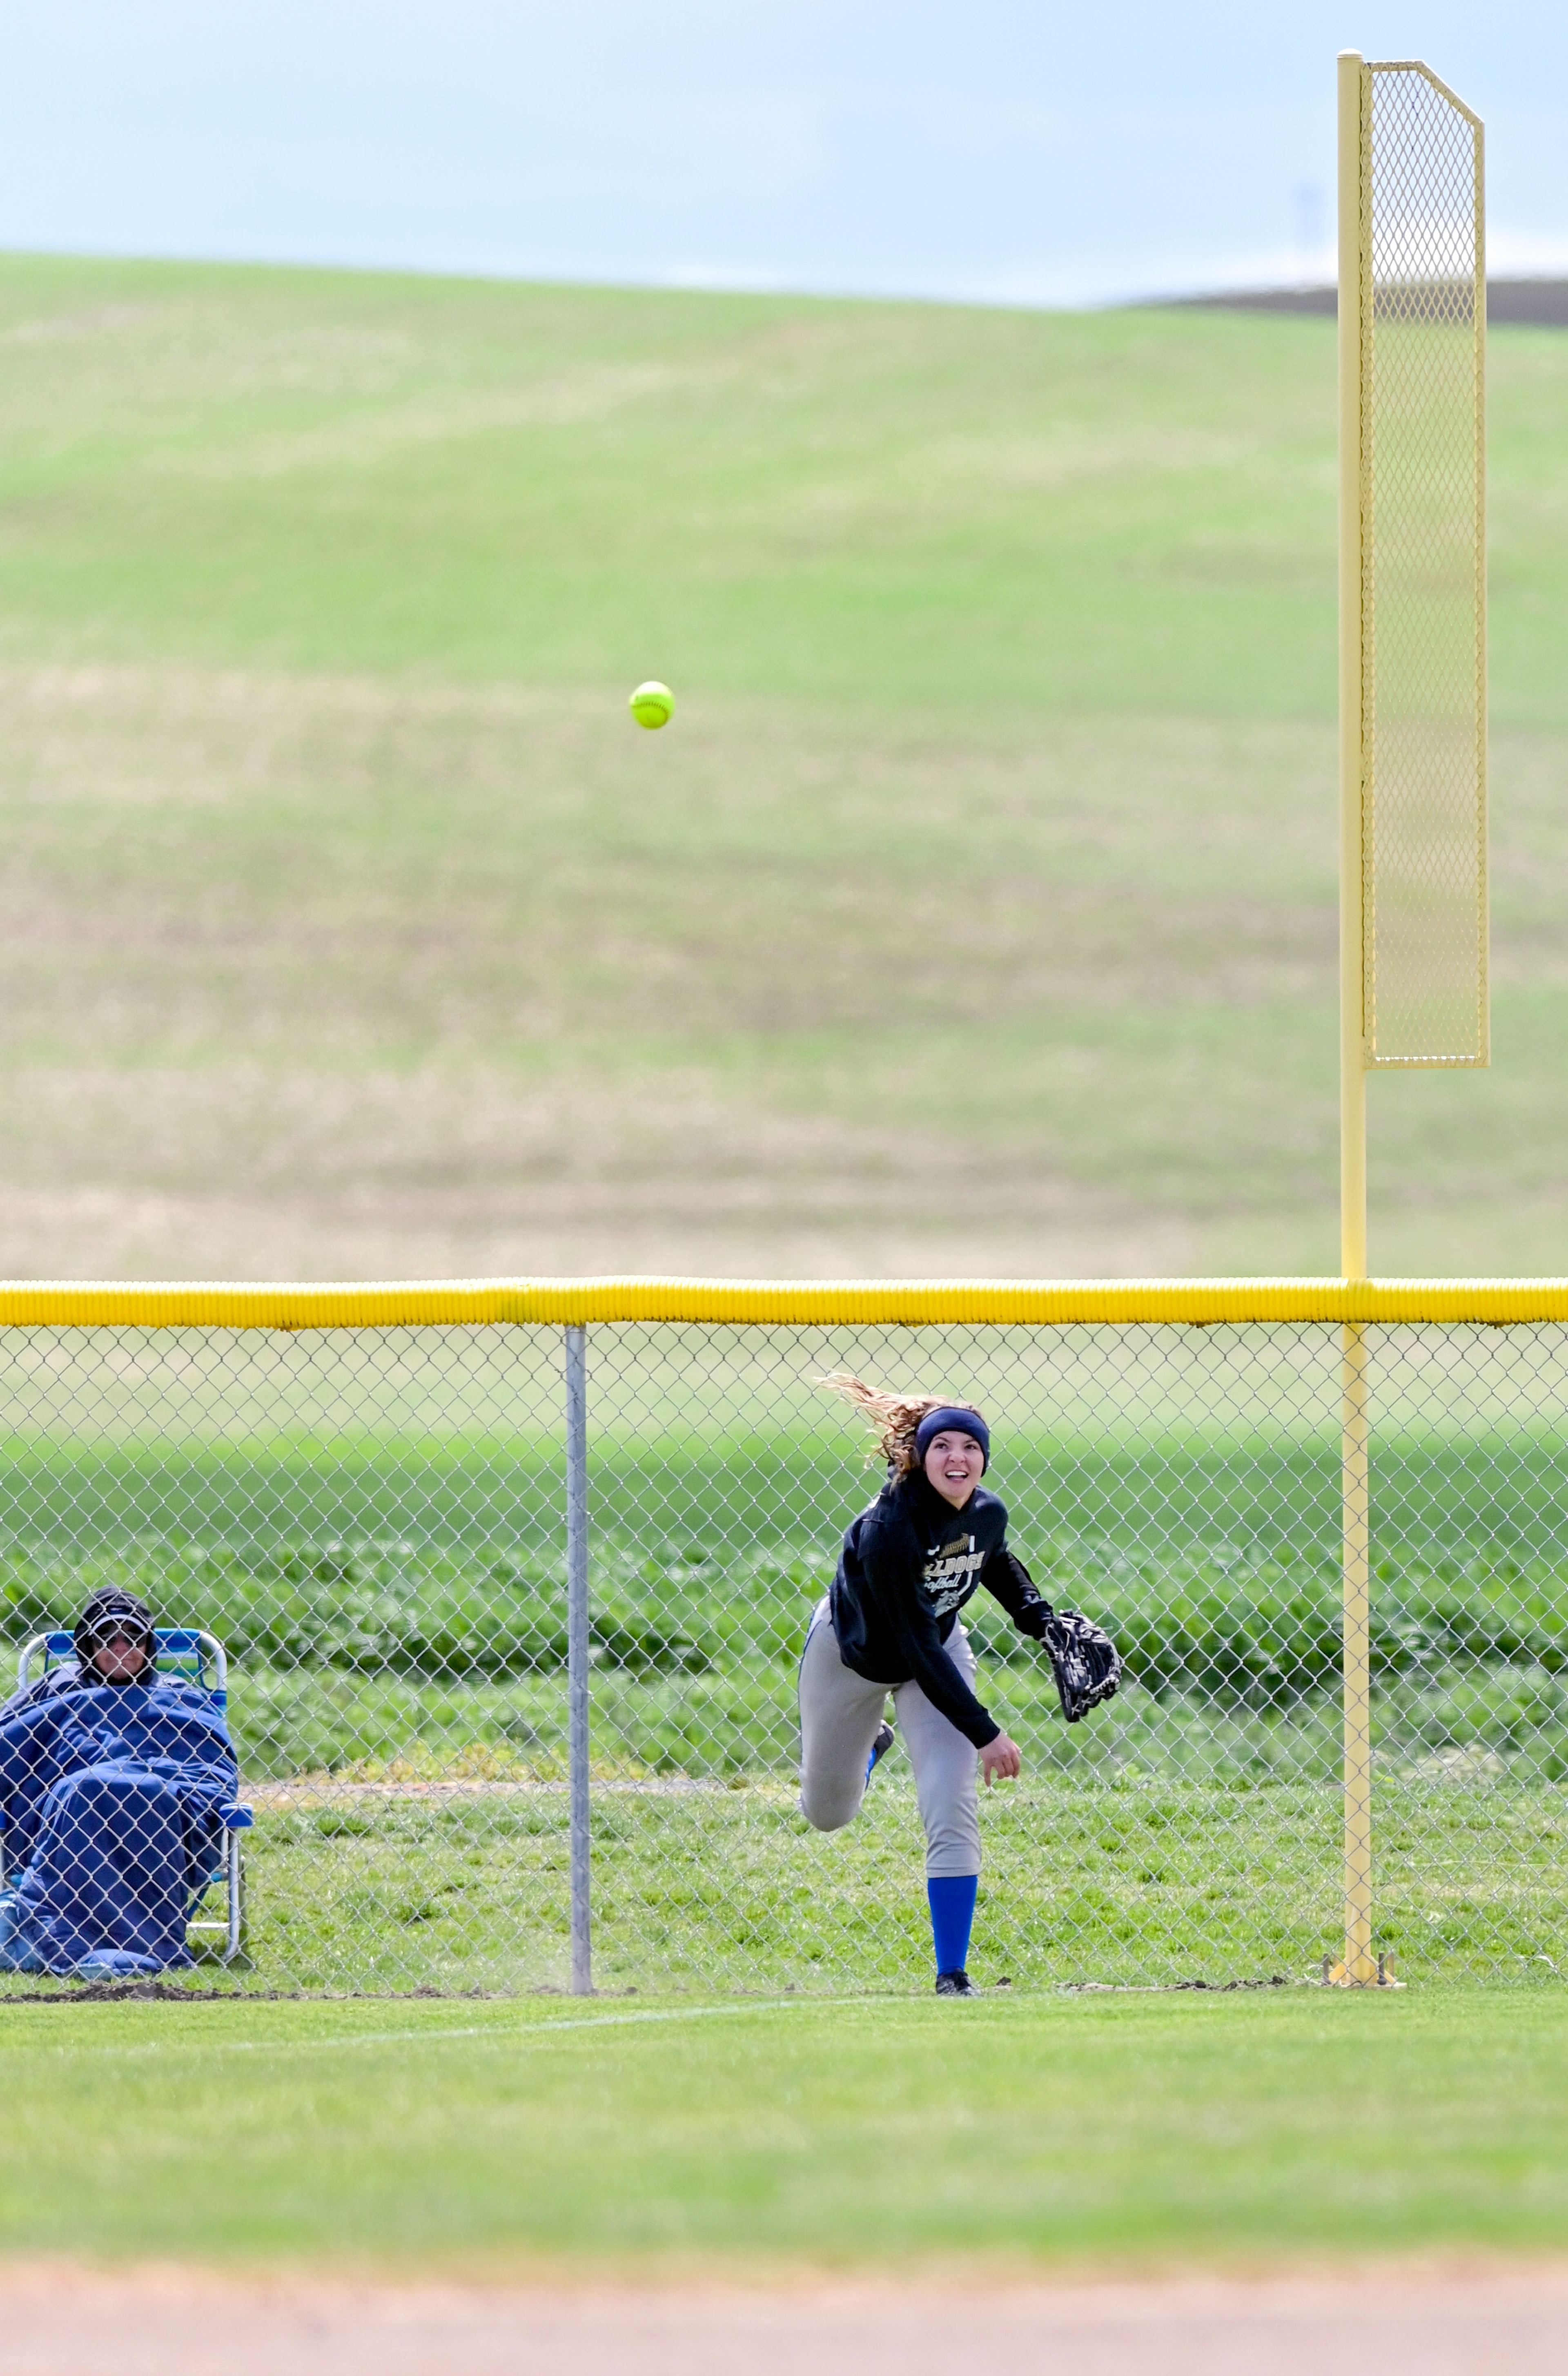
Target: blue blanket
[{"x": 112, "y": 1804}]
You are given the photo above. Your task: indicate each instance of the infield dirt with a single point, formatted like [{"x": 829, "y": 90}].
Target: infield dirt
[{"x": 1407, "y": 2323}]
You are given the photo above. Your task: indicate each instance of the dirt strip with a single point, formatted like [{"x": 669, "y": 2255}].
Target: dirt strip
[{"x": 166, "y": 2323}]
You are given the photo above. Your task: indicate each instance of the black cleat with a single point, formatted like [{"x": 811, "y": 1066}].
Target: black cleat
[
  {"x": 955, "y": 1984},
  {"x": 880, "y": 1749}
]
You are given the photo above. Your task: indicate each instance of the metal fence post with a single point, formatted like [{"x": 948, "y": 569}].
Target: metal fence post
[
  {"x": 577, "y": 1652},
  {"x": 1360, "y": 1966},
  {"x": 1357, "y": 1966}
]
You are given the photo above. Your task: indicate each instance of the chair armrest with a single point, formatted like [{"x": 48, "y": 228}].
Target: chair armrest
[{"x": 237, "y": 1819}]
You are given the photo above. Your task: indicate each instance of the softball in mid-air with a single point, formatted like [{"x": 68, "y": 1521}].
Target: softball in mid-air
[{"x": 653, "y": 704}]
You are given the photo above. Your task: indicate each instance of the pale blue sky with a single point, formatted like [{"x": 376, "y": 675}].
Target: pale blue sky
[{"x": 1003, "y": 149}]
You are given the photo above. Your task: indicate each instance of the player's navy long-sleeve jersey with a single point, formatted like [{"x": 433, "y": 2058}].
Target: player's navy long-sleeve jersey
[{"x": 908, "y": 1565}]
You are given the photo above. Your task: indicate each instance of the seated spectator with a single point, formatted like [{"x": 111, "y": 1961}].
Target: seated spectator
[
  {"x": 113, "y": 1642},
  {"x": 113, "y": 1784}
]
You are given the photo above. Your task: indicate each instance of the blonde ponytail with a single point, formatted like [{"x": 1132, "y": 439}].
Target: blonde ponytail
[{"x": 893, "y": 1417}]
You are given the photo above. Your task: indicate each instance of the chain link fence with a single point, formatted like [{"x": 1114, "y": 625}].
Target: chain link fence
[{"x": 372, "y": 1521}]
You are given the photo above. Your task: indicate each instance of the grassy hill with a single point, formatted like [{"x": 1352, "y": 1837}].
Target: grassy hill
[{"x": 977, "y": 912}]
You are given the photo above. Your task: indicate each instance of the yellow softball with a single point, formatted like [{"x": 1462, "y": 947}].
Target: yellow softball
[{"x": 653, "y": 704}]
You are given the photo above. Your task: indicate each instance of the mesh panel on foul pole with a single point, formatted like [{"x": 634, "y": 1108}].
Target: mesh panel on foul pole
[{"x": 1423, "y": 610}]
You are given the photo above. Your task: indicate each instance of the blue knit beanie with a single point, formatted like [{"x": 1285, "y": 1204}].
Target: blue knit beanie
[{"x": 962, "y": 1421}]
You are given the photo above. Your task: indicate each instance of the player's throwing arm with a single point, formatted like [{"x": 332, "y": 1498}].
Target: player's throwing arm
[{"x": 930, "y": 1540}]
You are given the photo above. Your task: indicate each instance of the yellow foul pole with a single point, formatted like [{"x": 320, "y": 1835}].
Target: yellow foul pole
[{"x": 1359, "y": 1965}]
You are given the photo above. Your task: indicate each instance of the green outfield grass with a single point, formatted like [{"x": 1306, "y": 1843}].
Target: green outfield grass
[
  {"x": 976, "y": 913},
  {"x": 498, "y": 2140},
  {"x": 1170, "y": 1873},
  {"x": 1167, "y": 1877}
]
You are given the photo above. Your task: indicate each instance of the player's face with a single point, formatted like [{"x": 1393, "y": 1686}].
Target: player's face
[{"x": 955, "y": 1464}]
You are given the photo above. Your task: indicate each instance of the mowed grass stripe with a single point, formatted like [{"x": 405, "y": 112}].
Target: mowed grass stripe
[
  {"x": 533, "y": 2033},
  {"x": 1234, "y": 2130}
]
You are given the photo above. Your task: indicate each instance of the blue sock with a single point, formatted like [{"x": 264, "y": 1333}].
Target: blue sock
[{"x": 952, "y": 1914}]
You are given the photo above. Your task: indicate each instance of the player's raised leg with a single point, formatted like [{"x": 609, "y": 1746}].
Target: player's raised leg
[{"x": 840, "y": 1722}]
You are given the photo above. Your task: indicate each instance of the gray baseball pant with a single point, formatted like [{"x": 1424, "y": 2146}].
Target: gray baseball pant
[{"x": 839, "y": 1712}]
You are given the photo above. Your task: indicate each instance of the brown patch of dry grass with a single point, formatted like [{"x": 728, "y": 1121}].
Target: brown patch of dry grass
[{"x": 319, "y": 975}]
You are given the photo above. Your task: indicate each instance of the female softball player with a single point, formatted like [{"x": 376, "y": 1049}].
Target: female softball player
[{"x": 890, "y": 1623}]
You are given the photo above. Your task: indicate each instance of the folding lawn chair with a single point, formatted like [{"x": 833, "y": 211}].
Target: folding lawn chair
[{"x": 189, "y": 1656}]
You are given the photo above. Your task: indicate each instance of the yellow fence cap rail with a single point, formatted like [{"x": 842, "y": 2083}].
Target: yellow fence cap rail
[{"x": 911, "y": 1304}]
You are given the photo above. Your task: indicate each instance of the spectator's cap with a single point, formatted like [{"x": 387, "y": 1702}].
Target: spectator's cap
[{"x": 109, "y": 1613}]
